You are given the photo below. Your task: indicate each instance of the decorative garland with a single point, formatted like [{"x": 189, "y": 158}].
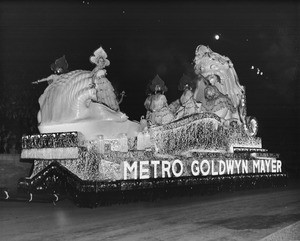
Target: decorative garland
[
  {"x": 202, "y": 131},
  {"x": 248, "y": 149},
  {"x": 51, "y": 140}
]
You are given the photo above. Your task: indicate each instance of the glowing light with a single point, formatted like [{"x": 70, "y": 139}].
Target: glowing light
[
  {"x": 7, "y": 195},
  {"x": 252, "y": 67},
  {"x": 217, "y": 37},
  {"x": 56, "y": 197},
  {"x": 261, "y": 73}
]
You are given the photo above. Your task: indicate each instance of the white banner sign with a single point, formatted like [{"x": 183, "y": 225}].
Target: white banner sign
[{"x": 178, "y": 168}]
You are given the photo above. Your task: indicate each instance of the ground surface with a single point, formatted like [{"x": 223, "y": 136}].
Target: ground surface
[
  {"x": 265, "y": 214},
  {"x": 10, "y": 173}
]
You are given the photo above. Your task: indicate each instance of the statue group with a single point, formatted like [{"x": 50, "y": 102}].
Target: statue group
[
  {"x": 215, "y": 89},
  {"x": 78, "y": 95},
  {"x": 84, "y": 95}
]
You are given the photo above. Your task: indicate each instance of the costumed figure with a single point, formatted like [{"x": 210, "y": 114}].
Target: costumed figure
[
  {"x": 187, "y": 102},
  {"x": 105, "y": 91},
  {"x": 219, "y": 104},
  {"x": 158, "y": 111}
]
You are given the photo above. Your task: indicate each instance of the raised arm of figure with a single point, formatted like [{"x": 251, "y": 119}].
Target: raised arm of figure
[{"x": 50, "y": 78}]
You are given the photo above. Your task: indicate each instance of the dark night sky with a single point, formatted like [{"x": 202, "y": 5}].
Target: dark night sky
[{"x": 145, "y": 38}]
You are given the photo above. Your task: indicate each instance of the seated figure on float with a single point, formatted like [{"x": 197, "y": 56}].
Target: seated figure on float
[
  {"x": 219, "y": 104},
  {"x": 105, "y": 91},
  {"x": 84, "y": 101},
  {"x": 213, "y": 100},
  {"x": 186, "y": 104},
  {"x": 158, "y": 111}
]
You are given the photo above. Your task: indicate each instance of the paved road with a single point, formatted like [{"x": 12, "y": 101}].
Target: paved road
[{"x": 269, "y": 214}]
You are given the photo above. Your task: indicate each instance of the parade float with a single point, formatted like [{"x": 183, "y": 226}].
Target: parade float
[{"x": 203, "y": 142}]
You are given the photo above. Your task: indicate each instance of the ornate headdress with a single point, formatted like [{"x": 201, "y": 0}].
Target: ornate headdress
[
  {"x": 100, "y": 58},
  {"x": 157, "y": 81}
]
